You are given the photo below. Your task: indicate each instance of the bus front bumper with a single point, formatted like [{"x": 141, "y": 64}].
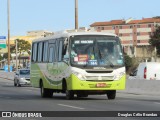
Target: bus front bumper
[{"x": 74, "y": 83}]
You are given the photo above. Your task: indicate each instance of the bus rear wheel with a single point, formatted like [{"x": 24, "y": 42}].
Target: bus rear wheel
[
  {"x": 111, "y": 94},
  {"x": 45, "y": 93}
]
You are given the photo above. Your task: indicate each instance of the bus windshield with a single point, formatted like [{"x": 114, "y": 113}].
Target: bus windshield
[{"x": 93, "y": 50}]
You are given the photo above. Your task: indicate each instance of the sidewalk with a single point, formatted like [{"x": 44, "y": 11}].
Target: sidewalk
[{"x": 7, "y": 75}]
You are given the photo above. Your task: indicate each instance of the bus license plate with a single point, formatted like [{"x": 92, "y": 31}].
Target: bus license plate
[{"x": 101, "y": 84}]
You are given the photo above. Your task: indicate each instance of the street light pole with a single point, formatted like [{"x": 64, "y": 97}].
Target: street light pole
[
  {"x": 8, "y": 11},
  {"x": 76, "y": 14}
]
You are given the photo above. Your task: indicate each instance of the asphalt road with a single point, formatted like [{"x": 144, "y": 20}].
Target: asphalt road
[{"x": 27, "y": 98}]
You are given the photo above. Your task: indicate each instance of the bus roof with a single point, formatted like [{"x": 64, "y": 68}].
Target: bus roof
[{"x": 67, "y": 34}]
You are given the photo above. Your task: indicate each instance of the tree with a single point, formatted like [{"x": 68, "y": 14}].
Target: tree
[
  {"x": 155, "y": 39},
  {"x": 22, "y": 46},
  {"x": 128, "y": 62},
  {"x": 1, "y": 58},
  {"x": 5, "y": 56}
]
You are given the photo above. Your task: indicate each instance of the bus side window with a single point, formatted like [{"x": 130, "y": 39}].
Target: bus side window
[
  {"x": 45, "y": 52},
  {"x": 51, "y": 54},
  {"x": 40, "y": 51},
  {"x": 34, "y": 52}
]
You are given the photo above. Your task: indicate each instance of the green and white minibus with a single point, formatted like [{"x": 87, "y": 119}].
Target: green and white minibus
[{"x": 75, "y": 63}]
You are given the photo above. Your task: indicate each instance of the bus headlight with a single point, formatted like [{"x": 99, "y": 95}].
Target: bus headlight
[{"x": 80, "y": 75}]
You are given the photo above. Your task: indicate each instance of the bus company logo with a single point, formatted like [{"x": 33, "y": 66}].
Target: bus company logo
[
  {"x": 6, "y": 114},
  {"x": 99, "y": 68}
]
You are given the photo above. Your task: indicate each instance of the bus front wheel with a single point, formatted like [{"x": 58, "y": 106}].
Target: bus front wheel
[
  {"x": 69, "y": 94},
  {"x": 111, "y": 94}
]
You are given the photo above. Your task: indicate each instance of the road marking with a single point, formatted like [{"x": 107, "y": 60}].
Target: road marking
[{"x": 71, "y": 106}]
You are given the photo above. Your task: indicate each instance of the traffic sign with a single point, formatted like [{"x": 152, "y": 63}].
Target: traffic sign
[
  {"x": 2, "y": 37},
  {"x": 2, "y": 41}
]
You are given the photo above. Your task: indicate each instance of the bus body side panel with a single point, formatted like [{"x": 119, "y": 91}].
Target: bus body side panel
[
  {"x": 51, "y": 75},
  {"x": 38, "y": 71},
  {"x": 75, "y": 84}
]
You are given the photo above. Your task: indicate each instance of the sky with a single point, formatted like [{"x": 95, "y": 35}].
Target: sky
[{"x": 56, "y": 15}]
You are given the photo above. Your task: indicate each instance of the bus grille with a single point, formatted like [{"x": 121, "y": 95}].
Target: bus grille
[{"x": 97, "y": 78}]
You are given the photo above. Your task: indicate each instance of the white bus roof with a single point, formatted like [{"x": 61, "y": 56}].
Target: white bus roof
[{"x": 67, "y": 34}]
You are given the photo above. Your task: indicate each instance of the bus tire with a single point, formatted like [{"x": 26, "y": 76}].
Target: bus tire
[
  {"x": 69, "y": 94},
  {"x": 111, "y": 94},
  {"x": 45, "y": 93}
]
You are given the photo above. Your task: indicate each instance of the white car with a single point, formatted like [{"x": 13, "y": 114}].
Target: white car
[
  {"x": 146, "y": 71},
  {"x": 22, "y": 77}
]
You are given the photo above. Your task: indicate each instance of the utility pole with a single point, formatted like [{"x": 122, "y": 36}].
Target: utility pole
[
  {"x": 16, "y": 56},
  {"x": 76, "y": 14},
  {"x": 8, "y": 12}
]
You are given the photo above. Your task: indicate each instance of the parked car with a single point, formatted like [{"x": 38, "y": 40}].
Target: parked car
[
  {"x": 147, "y": 71},
  {"x": 22, "y": 77}
]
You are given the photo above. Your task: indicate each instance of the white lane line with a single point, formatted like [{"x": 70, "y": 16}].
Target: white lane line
[
  {"x": 71, "y": 106},
  {"x": 157, "y": 103}
]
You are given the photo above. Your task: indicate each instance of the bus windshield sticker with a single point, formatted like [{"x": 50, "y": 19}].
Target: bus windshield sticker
[
  {"x": 92, "y": 62},
  {"x": 83, "y": 57},
  {"x": 76, "y": 59},
  {"x": 91, "y": 57}
]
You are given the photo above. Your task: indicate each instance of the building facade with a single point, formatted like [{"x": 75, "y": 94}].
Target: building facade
[
  {"x": 134, "y": 34},
  {"x": 39, "y": 33}
]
